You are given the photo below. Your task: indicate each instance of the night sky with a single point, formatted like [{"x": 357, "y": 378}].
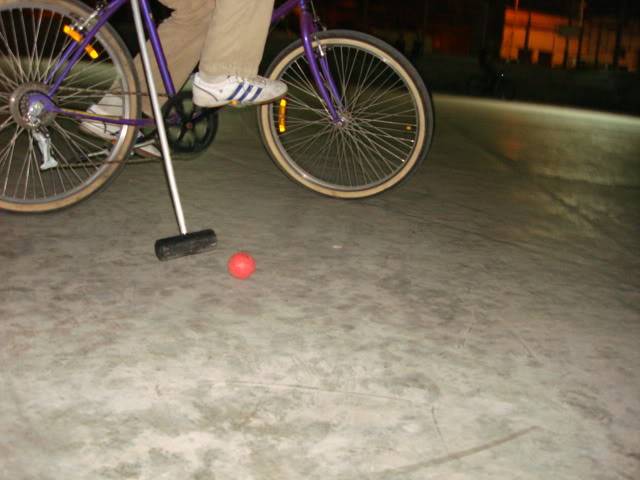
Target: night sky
[{"x": 593, "y": 7}]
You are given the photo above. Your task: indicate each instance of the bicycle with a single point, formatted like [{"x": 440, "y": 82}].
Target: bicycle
[{"x": 357, "y": 119}]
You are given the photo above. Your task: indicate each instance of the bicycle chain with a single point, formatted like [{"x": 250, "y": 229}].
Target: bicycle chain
[{"x": 103, "y": 92}]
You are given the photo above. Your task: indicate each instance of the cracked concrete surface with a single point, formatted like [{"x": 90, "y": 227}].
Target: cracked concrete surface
[{"x": 480, "y": 322}]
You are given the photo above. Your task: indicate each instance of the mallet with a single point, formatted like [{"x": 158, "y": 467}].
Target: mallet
[{"x": 185, "y": 243}]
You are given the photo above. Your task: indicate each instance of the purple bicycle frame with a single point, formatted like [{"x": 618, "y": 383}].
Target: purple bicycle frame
[{"x": 71, "y": 56}]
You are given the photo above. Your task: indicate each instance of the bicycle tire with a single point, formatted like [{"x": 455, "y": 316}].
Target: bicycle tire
[
  {"x": 416, "y": 140},
  {"x": 85, "y": 164}
]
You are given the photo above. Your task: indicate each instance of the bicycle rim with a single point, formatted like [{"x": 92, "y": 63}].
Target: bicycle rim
[
  {"x": 32, "y": 40},
  {"x": 386, "y": 131}
]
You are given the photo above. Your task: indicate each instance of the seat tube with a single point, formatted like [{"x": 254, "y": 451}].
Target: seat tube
[{"x": 156, "y": 45}]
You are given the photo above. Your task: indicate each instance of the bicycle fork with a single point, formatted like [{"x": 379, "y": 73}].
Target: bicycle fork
[{"x": 319, "y": 66}]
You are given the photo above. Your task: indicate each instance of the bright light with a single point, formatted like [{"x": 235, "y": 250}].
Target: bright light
[
  {"x": 77, "y": 37},
  {"x": 282, "y": 116}
]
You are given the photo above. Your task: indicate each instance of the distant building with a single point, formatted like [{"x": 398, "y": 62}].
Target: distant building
[
  {"x": 456, "y": 27},
  {"x": 543, "y": 36},
  {"x": 554, "y": 41}
]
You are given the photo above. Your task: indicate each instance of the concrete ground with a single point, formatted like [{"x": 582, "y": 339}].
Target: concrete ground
[{"x": 480, "y": 322}]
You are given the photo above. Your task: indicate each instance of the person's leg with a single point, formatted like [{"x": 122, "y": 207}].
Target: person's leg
[
  {"x": 236, "y": 38},
  {"x": 231, "y": 56},
  {"x": 226, "y": 36},
  {"x": 182, "y": 36}
]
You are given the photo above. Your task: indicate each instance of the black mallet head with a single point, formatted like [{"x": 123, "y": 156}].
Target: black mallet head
[{"x": 183, "y": 245}]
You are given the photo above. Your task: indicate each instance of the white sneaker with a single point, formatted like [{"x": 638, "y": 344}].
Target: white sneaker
[
  {"x": 236, "y": 91},
  {"x": 109, "y": 131}
]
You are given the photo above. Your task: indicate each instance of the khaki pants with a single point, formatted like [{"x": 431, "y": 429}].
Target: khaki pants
[{"x": 225, "y": 36}]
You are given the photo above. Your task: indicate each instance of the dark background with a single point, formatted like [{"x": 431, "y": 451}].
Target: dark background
[{"x": 598, "y": 67}]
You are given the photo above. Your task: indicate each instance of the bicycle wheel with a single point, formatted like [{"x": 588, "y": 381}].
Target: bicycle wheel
[
  {"x": 52, "y": 163},
  {"x": 387, "y": 112}
]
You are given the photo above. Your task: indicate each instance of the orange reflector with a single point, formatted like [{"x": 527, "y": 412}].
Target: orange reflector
[
  {"x": 77, "y": 37},
  {"x": 282, "y": 116}
]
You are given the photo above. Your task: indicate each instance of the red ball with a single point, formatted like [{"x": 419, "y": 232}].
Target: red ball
[{"x": 241, "y": 265}]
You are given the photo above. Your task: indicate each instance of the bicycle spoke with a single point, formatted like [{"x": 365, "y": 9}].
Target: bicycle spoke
[
  {"x": 74, "y": 141},
  {"x": 54, "y": 59},
  {"x": 31, "y": 41},
  {"x": 80, "y": 138},
  {"x": 6, "y": 157},
  {"x": 77, "y": 73},
  {"x": 296, "y": 144},
  {"x": 107, "y": 81},
  {"x": 360, "y": 81},
  {"x": 379, "y": 145},
  {"x": 66, "y": 171},
  {"x": 305, "y": 107},
  {"x": 45, "y": 37},
  {"x": 300, "y": 74},
  {"x": 345, "y": 78},
  {"x": 366, "y": 158},
  {"x": 39, "y": 171},
  {"x": 299, "y": 125},
  {"x": 22, "y": 168},
  {"x": 23, "y": 30},
  {"x": 382, "y": 133},
  {"x": 12, "y": 57},
  {"x": 325, "y": 152},
  {"x": 31, "y": 154},
  {"x": 378, "y": 105},
  {"x": 378, "y": 92},
  {"x": 23, "y": 76},
  {"x": 361, "y": 157},
  {"x": 361, "y": 87}
]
